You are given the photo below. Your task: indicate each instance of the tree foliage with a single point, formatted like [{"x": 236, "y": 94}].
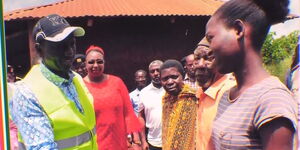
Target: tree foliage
[{"x": 276, "y": 50}]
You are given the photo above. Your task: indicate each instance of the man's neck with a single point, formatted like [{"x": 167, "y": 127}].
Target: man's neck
[
  {"x": 139, "y": 88},
  {"x": 157, "y": 85},
  {"x": 216, "y": 77},
  {"x": 63, "y": 74},
  {"x": 191, "y": 78}
]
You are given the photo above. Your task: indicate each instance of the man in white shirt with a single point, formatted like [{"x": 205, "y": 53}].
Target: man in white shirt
[{"x": 150, "y": 108}]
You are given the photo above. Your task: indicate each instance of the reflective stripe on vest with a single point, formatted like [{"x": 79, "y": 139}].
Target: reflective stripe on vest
[{"x": 70, "y": 142}]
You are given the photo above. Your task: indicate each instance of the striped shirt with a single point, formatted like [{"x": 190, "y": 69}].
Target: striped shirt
[
  {"x": 192, "y": 85},
  {"x": 237, "y": 122}
]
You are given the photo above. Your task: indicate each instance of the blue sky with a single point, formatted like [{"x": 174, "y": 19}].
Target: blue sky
[
  {"x": 280, "y": 29},
  {"x": 289, "y": 26}
]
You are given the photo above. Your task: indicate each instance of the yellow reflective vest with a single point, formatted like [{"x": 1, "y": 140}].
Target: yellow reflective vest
[{"x": 72, "y": 129}]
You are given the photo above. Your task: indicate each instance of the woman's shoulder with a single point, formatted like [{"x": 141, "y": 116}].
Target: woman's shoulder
[
  {"x": 268, "y": 84},
  {"x": 114, "y": 79}
]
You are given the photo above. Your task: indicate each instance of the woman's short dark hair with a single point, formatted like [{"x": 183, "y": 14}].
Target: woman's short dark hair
[
  {"x": 172, "y": 63},
  {"x": 260, "y": 14}
]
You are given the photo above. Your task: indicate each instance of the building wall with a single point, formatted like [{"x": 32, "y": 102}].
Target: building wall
[{"x": 131, "y": 43}]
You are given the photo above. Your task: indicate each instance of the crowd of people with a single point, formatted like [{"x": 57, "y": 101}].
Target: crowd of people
[{"x": 218, "y": 97}]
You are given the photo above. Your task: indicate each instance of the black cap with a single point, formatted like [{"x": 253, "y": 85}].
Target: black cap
[
  {"x": 54, "y": 28},
  {"x": 79, "y": 58}
]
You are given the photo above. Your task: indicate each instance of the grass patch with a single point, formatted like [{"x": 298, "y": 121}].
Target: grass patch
[{"x": 280, "y": 69}]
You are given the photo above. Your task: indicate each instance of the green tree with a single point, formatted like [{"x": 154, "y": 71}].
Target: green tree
[
  {"x": 276, "y": 50},
  {"x": 277, "y": 53}
]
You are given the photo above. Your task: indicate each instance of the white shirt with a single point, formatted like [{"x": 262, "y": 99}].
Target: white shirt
[{"x": 151, "y": 103}]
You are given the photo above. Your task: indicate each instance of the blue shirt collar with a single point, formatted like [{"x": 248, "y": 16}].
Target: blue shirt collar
[{"x": 57, "y": 80}]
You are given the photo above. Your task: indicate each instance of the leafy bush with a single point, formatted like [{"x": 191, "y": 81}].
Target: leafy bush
[
  {"x": 277, "y": 53},
  {"x": 276, "y": 50},
  {"x": 280, "y": 69}
]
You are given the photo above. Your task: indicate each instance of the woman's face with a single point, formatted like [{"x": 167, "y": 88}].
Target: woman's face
[
  {"x": 225, "y": 44},
  {"x": 95, "y": 64}
]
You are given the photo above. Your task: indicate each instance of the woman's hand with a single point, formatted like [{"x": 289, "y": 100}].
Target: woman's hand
[
  {"x": 145, "y": 145},
  {"x": 136, "y": 146}
]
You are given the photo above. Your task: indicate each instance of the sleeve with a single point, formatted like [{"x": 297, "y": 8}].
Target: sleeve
[
  {"x": 134, "y": 103},
  {"x": 131, "y": 120},
  {"x": 275, "y": 103},
  {"x": 31, "y": 121}
]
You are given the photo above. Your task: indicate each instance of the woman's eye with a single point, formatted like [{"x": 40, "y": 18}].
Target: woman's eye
[{"x": 100, "y": 62}]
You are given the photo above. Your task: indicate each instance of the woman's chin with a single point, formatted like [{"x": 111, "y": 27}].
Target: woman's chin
[{"x": 96, "y": 74}]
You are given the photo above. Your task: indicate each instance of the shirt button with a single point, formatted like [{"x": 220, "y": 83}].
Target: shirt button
[{"x": 222, "y": 134}]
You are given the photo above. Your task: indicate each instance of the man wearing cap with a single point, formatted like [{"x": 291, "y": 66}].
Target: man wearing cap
[
  {"x": 213, "y": 85},
  {"x": 51, "y": 106},
  {"x": 79, "y": 65}
]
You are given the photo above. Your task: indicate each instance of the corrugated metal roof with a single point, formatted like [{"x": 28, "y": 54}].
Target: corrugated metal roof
[{"x": 103, "y": 8}]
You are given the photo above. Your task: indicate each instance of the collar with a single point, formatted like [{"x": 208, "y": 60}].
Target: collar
[
  {"x": 153, "y": 87},
  {"x": 214, "y": 89},
  {"x": 186, "y": 77},
  {"x": 57, "y": 80},
  {"x": 186, "y": 92},
  {"x": 137, "y": 90}
]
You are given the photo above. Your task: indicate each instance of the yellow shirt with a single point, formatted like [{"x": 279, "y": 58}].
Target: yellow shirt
[{"x": 208, "y": 104}]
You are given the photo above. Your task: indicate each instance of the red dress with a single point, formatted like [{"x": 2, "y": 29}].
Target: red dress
[{"x": 115, "y": 117}]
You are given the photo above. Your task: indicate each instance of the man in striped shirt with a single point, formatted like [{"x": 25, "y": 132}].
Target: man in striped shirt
[{"x": 189, "y": 68}]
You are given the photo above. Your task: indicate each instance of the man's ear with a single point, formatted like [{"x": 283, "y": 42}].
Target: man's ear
[
  {"x": 38, "y": 48},
  {"x": 239, "y": 27}
]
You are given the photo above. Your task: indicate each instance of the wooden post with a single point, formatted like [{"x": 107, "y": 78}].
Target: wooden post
[
  {"x": 34, "y": 57},
  {"x": 4, "y": 121}
]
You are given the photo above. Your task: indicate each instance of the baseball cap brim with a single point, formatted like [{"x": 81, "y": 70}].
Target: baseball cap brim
[
  {"x": 77, "y": 32},
  {"x": 203, "y": 42}
]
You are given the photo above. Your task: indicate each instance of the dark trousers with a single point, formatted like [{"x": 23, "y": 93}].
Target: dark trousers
[{"x": 154, "y": 148}]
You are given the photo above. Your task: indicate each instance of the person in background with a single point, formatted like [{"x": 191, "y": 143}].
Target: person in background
[
  {"x": 259, "y": 112},
  {"x": 213, "y": 85},
  {"x": 11, "y": 76},
  {"x": 140, "y": 78},
  {"x": 115, "y": 118},
  {"x": 150, "y": 108},
  {"x": 51, "y": 106},
  {"x": 179, "y": 112},
  {"x": 293, "y": 82},
  {"x": 13, "y": 131},
  {"x": 189, "y": 68},
  {"x": 293, "y": 74},
  {"x": 79, "y": 65}
]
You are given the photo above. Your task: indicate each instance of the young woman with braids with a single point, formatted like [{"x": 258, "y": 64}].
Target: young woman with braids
[{"x": 258, "y": 113}]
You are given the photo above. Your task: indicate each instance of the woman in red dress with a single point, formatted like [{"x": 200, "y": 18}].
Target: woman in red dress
[{"x": 115, "y": 118}]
